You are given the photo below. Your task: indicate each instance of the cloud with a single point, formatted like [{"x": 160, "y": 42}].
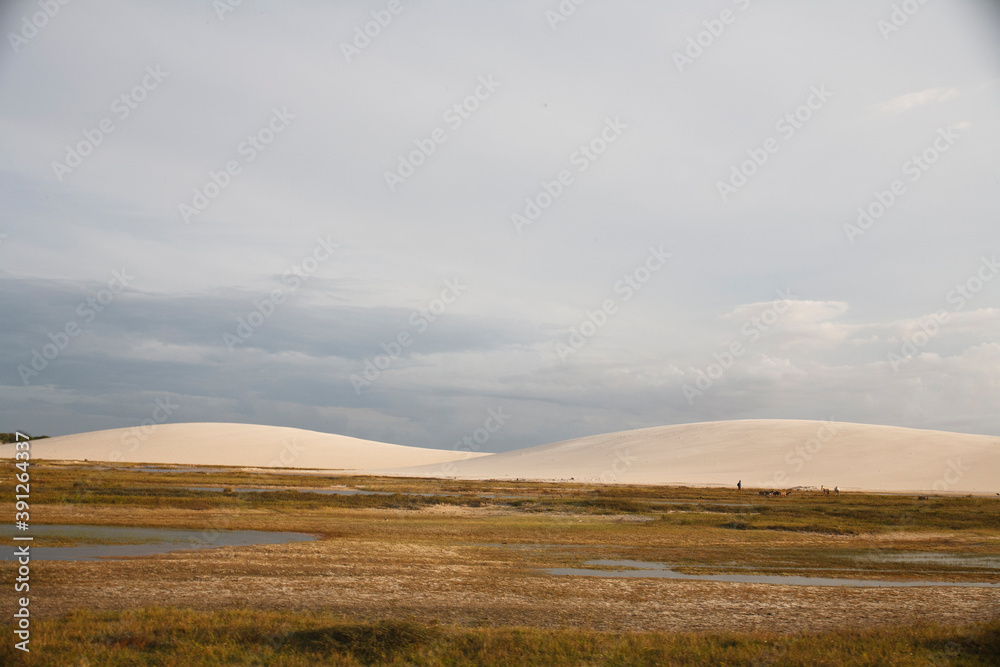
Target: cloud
[
  {"x": 324, "y": 177},
  {"x": 904, "y": 103}
]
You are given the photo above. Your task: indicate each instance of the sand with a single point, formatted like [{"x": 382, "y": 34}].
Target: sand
[
  {"x": 245, "y": 445},
  {"x": 762, "y": 453}
]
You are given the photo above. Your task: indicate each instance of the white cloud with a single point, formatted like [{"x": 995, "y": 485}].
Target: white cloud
[{"x": 904, "y": 103}]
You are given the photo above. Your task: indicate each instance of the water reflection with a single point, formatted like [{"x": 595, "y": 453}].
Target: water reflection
[
  {"x": 659, "y": 570},
  {"x": 122, "y": 542}
]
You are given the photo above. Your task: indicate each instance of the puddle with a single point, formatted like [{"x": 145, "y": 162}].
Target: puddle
[
  {"x": 327, "y": 492},
  {"x": 659, "y": 570},
  {"x": 174, "y": 470},
  {"x": 930, "y": 558},
  {"x": 129, "y": 541},
  {"x": 706, "y": 503},
  {"x": 530, "y": 547}
]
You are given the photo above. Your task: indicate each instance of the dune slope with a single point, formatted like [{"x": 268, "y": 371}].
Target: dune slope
[
  {"x": 234, "y": 445},
  {"x": 769, "y": 453}
]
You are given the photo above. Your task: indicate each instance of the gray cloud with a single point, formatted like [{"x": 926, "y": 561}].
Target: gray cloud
[{"x": 323, "y": 177}]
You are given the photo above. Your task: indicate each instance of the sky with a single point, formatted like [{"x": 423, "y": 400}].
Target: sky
[{"x": 396, "y": 220}]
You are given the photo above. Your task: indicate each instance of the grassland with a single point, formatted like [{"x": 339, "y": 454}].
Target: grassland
[
  {"x": 175, "y": 637},
  {"x": 457, "y": 576}
]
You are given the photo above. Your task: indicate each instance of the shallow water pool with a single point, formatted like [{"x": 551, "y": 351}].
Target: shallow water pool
[
  {"x": 101, "y": 542},
  {"x": 659, "y": 570}
]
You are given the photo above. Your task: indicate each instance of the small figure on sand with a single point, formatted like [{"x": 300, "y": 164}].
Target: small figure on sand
[{"x": 739, "y": 485}]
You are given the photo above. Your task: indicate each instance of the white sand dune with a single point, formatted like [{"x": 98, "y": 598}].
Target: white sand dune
[
  {"x": 769, "y": 453},
  {"x": 246, "y": 445}
]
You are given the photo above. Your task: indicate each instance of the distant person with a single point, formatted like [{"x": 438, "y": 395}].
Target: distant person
[{"x": 739, "y": 485}]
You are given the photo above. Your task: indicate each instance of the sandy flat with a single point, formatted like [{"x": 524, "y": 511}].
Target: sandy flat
[
  {"x": 770, "y": 453},
  {"x": 233, "y": 445}
]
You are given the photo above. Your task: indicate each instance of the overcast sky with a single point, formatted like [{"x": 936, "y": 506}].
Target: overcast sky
[{"x": 630, "y": 215}]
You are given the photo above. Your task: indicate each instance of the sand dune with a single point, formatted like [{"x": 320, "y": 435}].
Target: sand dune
[
  {"x": 233, "y": 445},
  {"x": 769, "y": 453}
]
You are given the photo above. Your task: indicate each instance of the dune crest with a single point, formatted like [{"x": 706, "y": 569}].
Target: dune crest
[
  {"x": 762, "y": 453},
  {"x": 247, "y": 445}
]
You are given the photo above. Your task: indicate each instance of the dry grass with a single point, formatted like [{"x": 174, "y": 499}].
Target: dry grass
[
  {"x": 176, "y": 637},
  {"x": 469, "y": 566}
]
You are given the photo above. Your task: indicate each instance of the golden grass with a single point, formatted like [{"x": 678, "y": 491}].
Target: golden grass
[
  {"x": 176, "y": 637},
  {"x": 472, "y": 561}
]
